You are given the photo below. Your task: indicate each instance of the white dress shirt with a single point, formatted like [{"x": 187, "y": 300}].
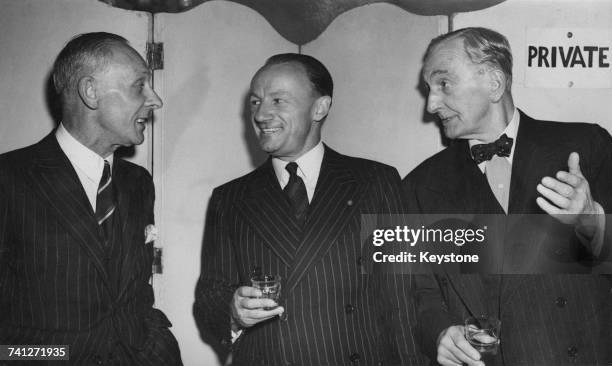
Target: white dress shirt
[{"x": 87, "y": 164}]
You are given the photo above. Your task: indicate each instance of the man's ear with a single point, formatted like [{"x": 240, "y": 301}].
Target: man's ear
[
  {"x": 497, "y": 84},
  {"x": 321, "y": 108},
  {"x": 88, "y": 92}
]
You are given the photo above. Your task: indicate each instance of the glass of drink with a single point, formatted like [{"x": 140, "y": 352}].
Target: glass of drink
[
  {"x": 483, "y": 334},
  {"x": 269, "y": 285}
]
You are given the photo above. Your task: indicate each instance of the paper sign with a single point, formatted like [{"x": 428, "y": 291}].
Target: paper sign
[{"x": 568, "y": 58}]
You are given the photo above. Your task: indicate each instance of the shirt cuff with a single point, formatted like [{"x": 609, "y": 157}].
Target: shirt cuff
[{"x": 235, "y": 329}]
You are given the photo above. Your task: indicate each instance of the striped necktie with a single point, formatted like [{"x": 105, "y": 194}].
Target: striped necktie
[
  {"x": 105, "y": 201},
  {"x": 296, "y": 191}
]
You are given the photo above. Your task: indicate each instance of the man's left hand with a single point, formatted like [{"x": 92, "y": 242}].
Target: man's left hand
[{"x": 568, "y": 198}]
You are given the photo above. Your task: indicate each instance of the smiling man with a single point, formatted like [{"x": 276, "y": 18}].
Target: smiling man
[
  {"x": 74, "y": 260},
  {"x": 551, "y": 179},
  {"x": 298, "y": 216}
]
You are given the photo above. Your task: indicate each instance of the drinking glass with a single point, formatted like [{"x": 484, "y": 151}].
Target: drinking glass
[
  {"x": 483, "y": 334},
  {"x": 269, "y": 285}
]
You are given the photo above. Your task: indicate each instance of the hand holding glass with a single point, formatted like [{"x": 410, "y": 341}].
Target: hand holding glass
[
  {"x": 483, "y": 334},
  {"x": 269, "y": 285}
]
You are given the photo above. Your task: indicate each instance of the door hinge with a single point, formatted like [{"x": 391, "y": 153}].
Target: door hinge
[
  {"x": 157, "y": 261},
  {"x": 155, "y": 55}
]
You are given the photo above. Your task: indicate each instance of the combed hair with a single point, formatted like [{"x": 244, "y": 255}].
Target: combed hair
[
  {"x": 483, "y": 46},
  {"x": 317, "y": 73},
  {"x": 82, "y": 55}
]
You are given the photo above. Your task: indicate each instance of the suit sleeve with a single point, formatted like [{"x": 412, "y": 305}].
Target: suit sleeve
[
  {"x": 4, "y": 238},
  {"x": 431, "y": 310},
  {"x": 601, "y": 182},
  {"x": 399, "y": 287},
  {"x": 218, "y": 279}
]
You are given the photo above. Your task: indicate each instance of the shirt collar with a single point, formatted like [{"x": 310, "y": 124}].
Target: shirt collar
[
  {"x": 511, "y": 131},
  {"x": 309, "y": 166},
  {"x": 81, "y": 157}
]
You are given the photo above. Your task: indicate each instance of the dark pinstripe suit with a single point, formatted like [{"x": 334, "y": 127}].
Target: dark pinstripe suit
[
  {"x": 58, "y": 283},
  {"x": 335, "y": 315},
  {"x": 546, "y": 319}
]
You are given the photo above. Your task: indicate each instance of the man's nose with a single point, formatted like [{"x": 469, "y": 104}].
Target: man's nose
[
  {"x": 433, "y": 103},
  {"x": 153, "y": 100},
  {"x": 261, "y": 113}
]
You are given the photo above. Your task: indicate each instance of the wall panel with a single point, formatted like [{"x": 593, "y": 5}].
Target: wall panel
[{"x": 374, "y": 54}]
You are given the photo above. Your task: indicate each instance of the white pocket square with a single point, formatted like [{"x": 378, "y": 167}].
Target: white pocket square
[{"x": 150, "y": 233}]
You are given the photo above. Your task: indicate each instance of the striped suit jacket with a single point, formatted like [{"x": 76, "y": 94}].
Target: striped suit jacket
[
  {"x": 59, "y": 284},
  {"x": 547, "y": 319},
  {"x": 335, "y": 315}
]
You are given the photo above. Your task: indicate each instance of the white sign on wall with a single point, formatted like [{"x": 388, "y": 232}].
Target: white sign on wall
[{"x": 568, "y": 58}]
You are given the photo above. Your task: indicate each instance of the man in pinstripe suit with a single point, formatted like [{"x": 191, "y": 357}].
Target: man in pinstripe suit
[
  {"x": 555, "y": 192},
  {"x": 74, "y": 262},
  {"x": 329, "y": 313}
]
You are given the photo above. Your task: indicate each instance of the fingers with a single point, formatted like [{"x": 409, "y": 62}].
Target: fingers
[
  {"x": 248, "y": 291},
  {"x": 558, "y": 194},
  {"x": 567, "y": 197},
  {"x": 454, "y": 349},
  {"x": 248, "y": 310},
  {"x": 573, "y": 163}
]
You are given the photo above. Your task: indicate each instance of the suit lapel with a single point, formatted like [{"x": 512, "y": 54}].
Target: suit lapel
[
  {"x": 268, "y": 211},
  {"x": 460, "y": 186},
  {"x": 336, "y": 198},
  {"x": 471, "y": 289},
  {"x": 525, "y": 168},
  {"x": 57, "y": 185},
  {"x": 128, "y": 211}
]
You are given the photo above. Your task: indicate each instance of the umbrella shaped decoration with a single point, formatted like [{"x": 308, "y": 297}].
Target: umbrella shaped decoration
[{"x": 301, "y": 21}]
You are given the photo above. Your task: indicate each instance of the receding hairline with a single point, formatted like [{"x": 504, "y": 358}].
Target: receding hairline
[
  {"x": 433, "y": 48},
  {"x": 91, "y": 62}
]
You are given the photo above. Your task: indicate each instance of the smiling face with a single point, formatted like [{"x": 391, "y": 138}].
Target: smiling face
[
  {"x": 285, "y": 111},
  {"x": 126, "y": 99},
  {"x": 459, "y": 91}
]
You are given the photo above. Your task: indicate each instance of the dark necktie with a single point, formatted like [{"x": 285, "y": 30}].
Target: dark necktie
[
  {"x": 296, "y": 191},
  {"x": 501, "y": 147},
  {"x": 105, "y": 201}
]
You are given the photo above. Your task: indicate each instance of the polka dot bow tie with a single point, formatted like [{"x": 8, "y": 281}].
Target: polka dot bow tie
[{"x": 483, "y": 152}]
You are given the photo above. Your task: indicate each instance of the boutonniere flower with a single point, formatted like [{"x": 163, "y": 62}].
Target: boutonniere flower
[{"x": 150, "y": 233}]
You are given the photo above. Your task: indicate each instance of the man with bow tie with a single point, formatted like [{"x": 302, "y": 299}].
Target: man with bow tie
[
  {"x": 299, "y": 216},
  {"x": 75, "y": 262},
  {"x": 551, "y": 183}
]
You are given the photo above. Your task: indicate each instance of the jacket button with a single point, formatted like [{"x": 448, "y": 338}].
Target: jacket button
[
  {"x": 360, "y": 262},
  {"x": 97, "y": 360},
  {"x": 561, "y": 301},
  {"x": 349, "y": 308},
  {"x": 572, "y": 351},
  {"x": 355, "y": 357}
]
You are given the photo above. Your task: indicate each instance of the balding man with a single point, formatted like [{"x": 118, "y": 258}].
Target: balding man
[{"x": 75, "y": 262}]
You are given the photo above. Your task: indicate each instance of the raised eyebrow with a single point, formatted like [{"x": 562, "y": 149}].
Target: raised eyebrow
[{"x": 437, "y": 72}]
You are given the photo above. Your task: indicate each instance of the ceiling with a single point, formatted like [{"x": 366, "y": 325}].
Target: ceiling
[{"x": 301, "y": 21}]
